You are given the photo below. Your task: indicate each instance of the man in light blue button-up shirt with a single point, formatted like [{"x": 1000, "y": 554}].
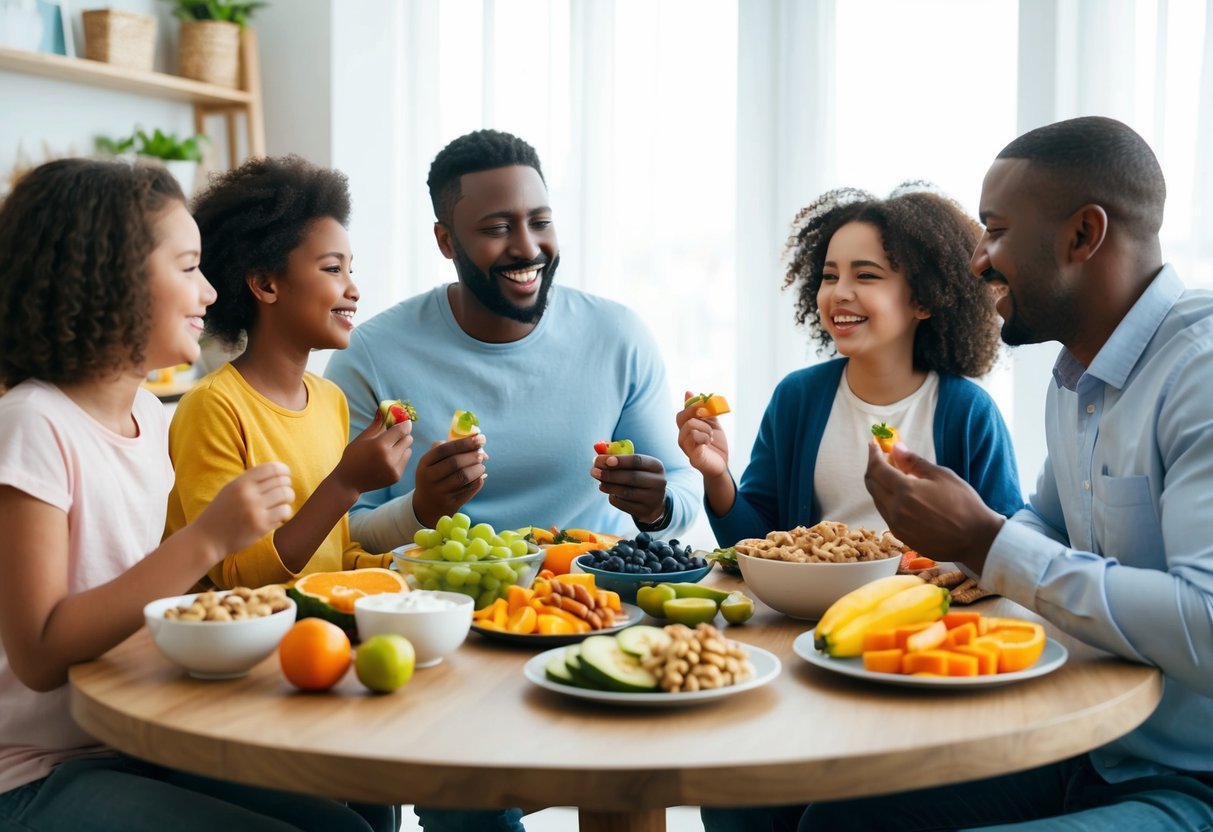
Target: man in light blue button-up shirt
[{"x": 1116, "y": 545}]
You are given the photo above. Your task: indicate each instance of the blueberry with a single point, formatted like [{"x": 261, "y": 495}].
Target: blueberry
[
  {"x": 674, "y": 542},
  {"x": 643, "y": 539},
  {"x": 665, "y": 551},
  {"x": 698, "y": 563},
  {"x": 613, "y": 564},
  {"x": 669, "y": 565},
  {"x": 623, "y": 549},
  {"x": 646, "y": 570}
]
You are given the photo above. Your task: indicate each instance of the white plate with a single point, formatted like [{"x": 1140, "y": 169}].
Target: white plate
[
  {"x": 1053, "y": 657},
  {"x": 766, "y": 667},
  {"x": 634, "y": 615}
]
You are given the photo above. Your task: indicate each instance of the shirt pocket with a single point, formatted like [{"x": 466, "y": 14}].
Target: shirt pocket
[{"x": 1126, "y": 522}]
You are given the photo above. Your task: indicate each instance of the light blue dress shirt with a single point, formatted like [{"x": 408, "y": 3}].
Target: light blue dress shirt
[{"x": 1116, "y": 545}]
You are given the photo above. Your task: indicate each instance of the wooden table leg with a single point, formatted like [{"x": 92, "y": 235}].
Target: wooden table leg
[{"x": 648, "y": 820}]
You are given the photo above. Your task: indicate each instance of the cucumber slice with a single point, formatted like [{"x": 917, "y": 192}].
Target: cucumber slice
[
  {"x": 572, "y": 663},
  {"x": 641, "y": 640},
  {"x": 557, "y": 671},
  {"x": 608, "y": 666}
]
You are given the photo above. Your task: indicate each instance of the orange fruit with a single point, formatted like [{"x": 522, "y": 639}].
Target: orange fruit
[
  {"x": 314, "y": 654},
  {"x": 1020, "y": 644}
]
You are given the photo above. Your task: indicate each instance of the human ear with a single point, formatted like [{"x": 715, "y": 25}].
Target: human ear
[
  {"x": 1088, "y": 228},
  {"x": 446, "y": 243},
  {"x": 263, "y": 287}
]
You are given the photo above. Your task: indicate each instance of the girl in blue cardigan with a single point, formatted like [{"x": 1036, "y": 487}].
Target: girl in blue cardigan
[{"x": 885, "y": 284}]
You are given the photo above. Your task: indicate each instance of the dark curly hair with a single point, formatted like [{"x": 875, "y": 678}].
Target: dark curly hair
[
  {"x": 1100, "y": 160},
  {"x": 472, "y": 153},
  {"x": 929, "y": 239},
  {"x": 75, "y": 236},
  {"x": 251, "y": 219}
]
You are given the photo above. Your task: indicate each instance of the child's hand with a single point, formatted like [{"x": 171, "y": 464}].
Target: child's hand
[
  {"x": 703, "y": 441},
  {"x": 254, "y": 503},
  {"x": 376, "y": 458}
]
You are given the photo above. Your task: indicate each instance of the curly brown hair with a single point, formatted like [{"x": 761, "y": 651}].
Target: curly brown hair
[
  {"x": 251, "y": 219},
  {"x": 75, "y": 237},
  {"x": 929, "y": 239}
]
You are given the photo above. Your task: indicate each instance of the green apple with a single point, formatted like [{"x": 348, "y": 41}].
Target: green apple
[
  {"x": 651, "y": 599},
  {"x": 385, "y": 662},
  {"x": 738, "y": 608},
  {"x": 621, "y": 446},
  {"x": 690, "y": 611}
]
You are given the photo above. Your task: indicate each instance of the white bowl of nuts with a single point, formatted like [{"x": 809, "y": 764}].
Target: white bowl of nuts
[
  {"x": 802, "y": 571},
  {"x": 220, "y": 635}
]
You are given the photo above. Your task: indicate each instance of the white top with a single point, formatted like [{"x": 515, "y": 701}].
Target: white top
[
  {"x": 114, "y": 491},
  {"x": 843, "y": 454}
]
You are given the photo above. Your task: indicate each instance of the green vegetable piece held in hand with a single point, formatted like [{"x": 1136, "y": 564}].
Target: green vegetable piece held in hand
[{"x": 621, "y": 446}]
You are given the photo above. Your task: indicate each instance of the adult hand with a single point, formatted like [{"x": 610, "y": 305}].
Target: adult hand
[
  {"x": 929, "y": 508},
  {"x": 634, "y": 483},
  {"x": 376, "y": 458},
  {"x": 254, "y": 503},
  {"x": 448, "y": 476},
  {"x": 703, "y": 441}
]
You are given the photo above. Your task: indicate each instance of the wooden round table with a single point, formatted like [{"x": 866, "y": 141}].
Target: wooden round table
[{"x": 472, "y": 732}]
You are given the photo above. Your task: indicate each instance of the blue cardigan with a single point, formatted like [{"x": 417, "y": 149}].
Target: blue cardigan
[{"x": 777, "y": 487}]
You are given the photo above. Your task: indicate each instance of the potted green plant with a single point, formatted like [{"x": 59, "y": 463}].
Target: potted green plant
[
  {"x": 209, "y": 46},
  {"x": 180, "y": 156}
]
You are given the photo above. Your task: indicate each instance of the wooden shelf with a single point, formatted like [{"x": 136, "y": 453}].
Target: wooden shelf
[{"x": 96, "y": 73}]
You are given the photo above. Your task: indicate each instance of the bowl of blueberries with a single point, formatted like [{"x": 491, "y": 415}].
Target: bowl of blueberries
[{"x": 644, "y": 561}]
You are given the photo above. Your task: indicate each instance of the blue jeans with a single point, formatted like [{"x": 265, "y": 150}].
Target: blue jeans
[
  {"x": 459, "y": 820},
  {"x": 1069, "y": 796},
  {"x": 120, "y": 793}
]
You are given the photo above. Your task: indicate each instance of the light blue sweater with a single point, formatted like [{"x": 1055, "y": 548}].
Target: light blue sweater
[{"x": 589, "y": 370}]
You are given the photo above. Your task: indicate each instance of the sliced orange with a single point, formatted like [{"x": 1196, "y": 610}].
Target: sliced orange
[{"x": 1020, "y": 648}]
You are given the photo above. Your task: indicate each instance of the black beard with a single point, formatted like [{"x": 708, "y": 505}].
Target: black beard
[{"x": 485, "y": 288}]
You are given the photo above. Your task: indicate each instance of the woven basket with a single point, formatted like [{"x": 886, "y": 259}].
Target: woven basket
[
  {"x": 210, "y": 51},
  {"x": 120, "y": 37}
]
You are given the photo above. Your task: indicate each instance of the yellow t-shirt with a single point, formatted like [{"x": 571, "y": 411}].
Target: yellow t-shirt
[{"x": 223, "y": 427}]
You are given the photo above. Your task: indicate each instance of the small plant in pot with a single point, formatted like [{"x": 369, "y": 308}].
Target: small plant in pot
[
  {"x": 180, "y": 156},
  {"x": 209, "y": 47}
]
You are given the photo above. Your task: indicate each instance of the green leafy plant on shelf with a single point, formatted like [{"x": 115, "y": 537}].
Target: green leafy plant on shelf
[
  {"x": 159, "y": 144},
  {"x": 233, "y": 11}
]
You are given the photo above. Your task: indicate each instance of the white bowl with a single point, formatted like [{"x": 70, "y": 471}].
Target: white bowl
[
  {"x": 215, "y": 649},
  {"x": 433, "y": 632},
  {"x": 806, "y": 590}
]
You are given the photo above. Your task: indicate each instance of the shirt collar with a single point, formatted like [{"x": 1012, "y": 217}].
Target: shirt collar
[{"x": 1121, "y": 352}]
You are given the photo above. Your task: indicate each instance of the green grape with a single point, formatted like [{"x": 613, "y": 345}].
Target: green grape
[
  {"x": 432, "y": 584},
  {"x": 490, "y": 583},
  {"x": 434, "y": 553},
  {"x": 469, "y": 591},
  {"x": 518, "y": 548},
  {"x": 485, "y": 598},
  {"x": 462, "y": 521},
  {"x": 499, "y": 552},
  {"x": 453, "y": 550},
  {"x": 478, "y": 548},
  {"x": 502, "y": 572},
  {"x": 496, "y": 540},
  {"x": 425, "y": 538},
  {"x": 456, "y": 576},
  {"x": 509, "y": 536},
  {"x": 481, "y": 531},
  {"x": 458, "y": 534},
  {"x": 473, "y": 578},
  {"x": 423, "y": 573},
  {"x": 444, "y": 526}
]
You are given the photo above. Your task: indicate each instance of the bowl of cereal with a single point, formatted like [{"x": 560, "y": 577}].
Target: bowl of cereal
[
  {"x": 802, "y": 571},
  {"x": 220, "y": 635}
]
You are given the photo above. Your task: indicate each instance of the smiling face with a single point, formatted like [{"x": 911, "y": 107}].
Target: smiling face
[
  {"x": 865, "y": 305},
  {"x": 179, "y": 292},
  {"x": 1017, "y": 256},
  {"x": 503, "y": 241},
  {"x": 314, "y": 300}
]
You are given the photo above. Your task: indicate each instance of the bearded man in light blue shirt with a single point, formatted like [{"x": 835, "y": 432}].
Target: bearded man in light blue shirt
[{"x": 1116, "y": 545}]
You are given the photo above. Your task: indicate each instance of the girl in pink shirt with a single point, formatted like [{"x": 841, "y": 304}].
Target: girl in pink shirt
[{"x": 99, "y": 283}]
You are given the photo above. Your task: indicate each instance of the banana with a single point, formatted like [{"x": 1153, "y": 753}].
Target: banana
[
  {"x": 925, "y": 602},
  {"x": 858, "y": 601}
]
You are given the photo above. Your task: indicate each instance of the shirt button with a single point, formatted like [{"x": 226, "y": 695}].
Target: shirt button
[
  {"x": 1086, "y": 485},
  {"x": 1090, "y": 408}
]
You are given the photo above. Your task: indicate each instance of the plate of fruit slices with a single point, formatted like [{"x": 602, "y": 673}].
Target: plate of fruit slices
[
  {"x": 766, "y": 667},
  {"x": 631, "y": 615},
  {"x": 1053, "y": 657}
]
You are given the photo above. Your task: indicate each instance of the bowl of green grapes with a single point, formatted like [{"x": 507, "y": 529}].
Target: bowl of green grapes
[{"x": 473, "y": 559}]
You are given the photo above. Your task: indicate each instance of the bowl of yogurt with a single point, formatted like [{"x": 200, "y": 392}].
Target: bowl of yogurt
[{"x": 434, "y": 622}]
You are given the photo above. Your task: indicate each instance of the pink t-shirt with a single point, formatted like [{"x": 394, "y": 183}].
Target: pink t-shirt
[{"x": 114, "y": 491}]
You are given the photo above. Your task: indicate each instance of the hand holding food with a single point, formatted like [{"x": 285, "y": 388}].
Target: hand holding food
[
  {"x": 707, "y": 405},
  {"x": 448, "y": 475},
  {"x": 707, "y": 449},
  {"x": 396, "y": 411},
  {"x": 615, "y": 448},
  {"x": 634, "y": 483},
  {"x": 886, "y": 436}
]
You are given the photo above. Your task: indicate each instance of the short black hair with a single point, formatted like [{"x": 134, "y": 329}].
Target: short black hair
[
  {"x": 1098, "y": 160},
  {"x": 75, "y": 237},
  {"x": 251, "y": 219},
  {"x": 472, "y": 153},
  {"x": 928, "y": 239}
]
